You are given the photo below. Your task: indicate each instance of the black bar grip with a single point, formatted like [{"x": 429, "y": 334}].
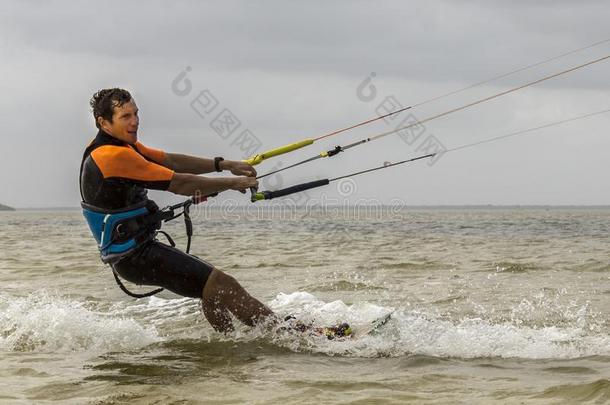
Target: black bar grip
[{"x": 295, "y": 189}]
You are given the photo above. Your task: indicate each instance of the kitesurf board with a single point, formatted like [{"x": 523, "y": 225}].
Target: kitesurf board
[
  {"x": 332, "y": 332},
  {"x": 373, "y": 327}
]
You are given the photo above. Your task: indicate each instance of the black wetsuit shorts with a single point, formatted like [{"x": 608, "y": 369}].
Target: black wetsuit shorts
[{"x": 161, "y": 265}]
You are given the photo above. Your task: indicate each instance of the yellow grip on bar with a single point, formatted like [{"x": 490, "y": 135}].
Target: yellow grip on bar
[{"x": 256, "y": 159}]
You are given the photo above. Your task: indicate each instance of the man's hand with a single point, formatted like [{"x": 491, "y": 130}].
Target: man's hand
[
  {"x": 242, "y": 184},
  {"x": 194, "y": 165},
  {"x": 238, "y": 168},
  {"x": 193, "y": 185}
]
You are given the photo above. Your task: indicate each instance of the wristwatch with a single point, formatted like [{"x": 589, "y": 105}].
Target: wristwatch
[{"x": 217, "y": 161}]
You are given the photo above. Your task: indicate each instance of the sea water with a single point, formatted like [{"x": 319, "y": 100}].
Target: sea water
[{"x": 490, "y": 305}]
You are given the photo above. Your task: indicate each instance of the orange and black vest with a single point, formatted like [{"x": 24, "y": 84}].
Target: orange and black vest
[{"x": 114, "y": 177}]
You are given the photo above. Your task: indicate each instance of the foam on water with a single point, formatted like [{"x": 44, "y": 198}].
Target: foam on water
[
  {"x": 45, "y": 322},
  {"x": 415, "y": 332}
]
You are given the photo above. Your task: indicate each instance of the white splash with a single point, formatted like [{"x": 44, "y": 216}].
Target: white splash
[
  {"x": 413, "y": 332},
  {"x": 46, "y": 322},
  {"x": 43, "y": 322}
]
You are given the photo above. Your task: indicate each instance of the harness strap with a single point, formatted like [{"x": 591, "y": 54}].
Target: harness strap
[
  {"x": 169, "y": 238},
  {"x": 188, "y": 224},
  {"x": 131, "y": 294},
  {"x": 157, "y": 217}
]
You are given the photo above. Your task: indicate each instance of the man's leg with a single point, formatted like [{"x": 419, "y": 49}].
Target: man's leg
[
  {"x": 186, "y": 275},
  {"x": 217, "y": 315},
  {"x": 221, "y": 293}
]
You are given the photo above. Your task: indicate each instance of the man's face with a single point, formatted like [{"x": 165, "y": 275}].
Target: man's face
[{"x": 125, "y": 122}]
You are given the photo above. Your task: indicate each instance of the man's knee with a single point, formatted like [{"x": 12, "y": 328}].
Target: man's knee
[
  {"x": 219, "y": 278},
  {"x": 219, "y": 284}
]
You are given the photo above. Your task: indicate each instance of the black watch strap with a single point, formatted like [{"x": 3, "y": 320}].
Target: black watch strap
[{"x": 217, "y": 161}]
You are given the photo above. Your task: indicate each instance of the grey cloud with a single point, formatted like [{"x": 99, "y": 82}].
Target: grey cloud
[
  {"x": 290, "y": 69},
  {"x": 422, "y": 40}
]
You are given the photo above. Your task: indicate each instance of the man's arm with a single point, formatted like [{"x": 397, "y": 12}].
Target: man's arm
[
  {"x": 195, "y": 165},
  {"x": 192, "y": 185}
]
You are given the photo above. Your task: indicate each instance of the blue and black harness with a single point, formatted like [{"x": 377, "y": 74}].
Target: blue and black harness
[{"x": 119, "y": 233}]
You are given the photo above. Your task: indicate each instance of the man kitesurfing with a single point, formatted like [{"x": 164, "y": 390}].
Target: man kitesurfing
[{"x": 116, "y": 171}]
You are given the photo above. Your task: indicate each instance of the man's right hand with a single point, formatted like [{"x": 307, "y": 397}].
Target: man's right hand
[{"x": 242, "y": 184}]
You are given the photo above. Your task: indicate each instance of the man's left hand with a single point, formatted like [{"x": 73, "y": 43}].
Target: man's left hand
[{"x": 240, "y": 168}]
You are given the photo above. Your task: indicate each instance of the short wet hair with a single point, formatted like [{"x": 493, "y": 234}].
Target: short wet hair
[{"x": 103, "y": 102}]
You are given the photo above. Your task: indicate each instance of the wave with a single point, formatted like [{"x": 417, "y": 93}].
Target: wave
[
  {"x": 594, "y": 392},
  {"x": 262, "y": 265},
  {"x": 342, "y": 285},
  {"x": 424, "y": 265},
  {"x": 412, "y": 332},
  {"x": 595, "y": 266},
  {"x": 45, "y": 322},
  {"x": 512, "y": 267}
]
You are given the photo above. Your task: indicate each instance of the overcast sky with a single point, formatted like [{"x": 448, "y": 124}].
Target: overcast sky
[{"x": 290, "y": 70}]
